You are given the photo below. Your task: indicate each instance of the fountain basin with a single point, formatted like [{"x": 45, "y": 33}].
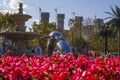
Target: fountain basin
[
  {"x": 20, "y": 17},
  {"x": 20, "y": 43},
  {"x": 20, "y": 35}
]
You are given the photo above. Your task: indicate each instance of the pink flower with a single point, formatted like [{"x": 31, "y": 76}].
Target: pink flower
[{"x": 58, "y": 67}]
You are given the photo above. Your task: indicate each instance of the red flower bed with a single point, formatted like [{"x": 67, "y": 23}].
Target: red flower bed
[{"x": 58, "y": 67}]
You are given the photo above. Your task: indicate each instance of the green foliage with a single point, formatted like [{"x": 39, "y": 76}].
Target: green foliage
[
  {"x": 105, "y": 32},
  {"x": 114, "y": 16},
  {"x": 78, "y": 41},
  {"x": 113, "y": 44},
  {"x": 6, "y": 22},
  {"x": 96, "y": 42}
]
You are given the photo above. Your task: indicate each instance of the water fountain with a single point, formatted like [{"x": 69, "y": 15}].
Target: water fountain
[{"x": 20, "y": 37}]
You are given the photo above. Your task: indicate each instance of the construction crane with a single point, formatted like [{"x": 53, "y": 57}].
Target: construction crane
[
  {"x": 73, "y": 13},
  {"x": 39, "y": 15},
  {"x": 56, "y": 16},
  {"x": 56, "y": 12}
]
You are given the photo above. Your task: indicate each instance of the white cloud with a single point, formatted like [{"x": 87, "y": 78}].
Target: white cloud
[
  {"x": 5, "y": 3},
  {"x": 13, "y": 4}
]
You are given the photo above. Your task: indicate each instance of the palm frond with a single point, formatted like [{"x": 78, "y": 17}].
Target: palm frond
[
  {"x": 114, "y": 11},
  {"x": 110, "y": 13},
  {"x": 117, "y": 11},
  {"x": 108, "y": 18}
]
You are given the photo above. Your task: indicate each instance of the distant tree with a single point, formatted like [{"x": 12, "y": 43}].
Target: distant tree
[
  {"x": 96, "y": 42},
  {"x": 88, "y": 21},
  {"x": 112, "y": 43},
  {"x": 1, "y": 21},
  {"x": 75, "y": 30},
  {"x": 79, "y": 41},
  {"x": 6, "y": 22},
  {"x": 71, "y": 22}
]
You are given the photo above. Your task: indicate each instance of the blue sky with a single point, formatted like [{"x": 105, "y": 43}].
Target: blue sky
[{"x": 85, "y": 8}]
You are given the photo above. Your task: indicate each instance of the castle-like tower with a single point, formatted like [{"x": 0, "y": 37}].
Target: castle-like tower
[
  {"x": 60, "y": 21},
  {"x": 45, "y": 16}
]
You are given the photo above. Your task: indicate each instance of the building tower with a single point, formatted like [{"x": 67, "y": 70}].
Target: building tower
[
  {"x": 60, "y": 21},
  {"x": 45, "y": 17}
]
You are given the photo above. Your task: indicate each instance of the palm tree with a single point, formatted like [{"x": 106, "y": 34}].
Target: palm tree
[
  {"x": 105, "y": 32},
  {"x": 115, "y": 21}
]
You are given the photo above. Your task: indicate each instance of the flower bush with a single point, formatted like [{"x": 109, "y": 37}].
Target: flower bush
[{"x": 59, "y": 67}]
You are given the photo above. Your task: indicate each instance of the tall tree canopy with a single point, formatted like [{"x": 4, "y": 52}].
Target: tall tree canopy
[
  {"x": 115, "y": 21},
  {"x": 105, "y": 32}
]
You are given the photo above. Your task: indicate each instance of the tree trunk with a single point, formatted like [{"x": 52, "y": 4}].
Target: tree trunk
[
  {"x": 119, "y": 41},
  {"x": 105, "y": 44}
]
